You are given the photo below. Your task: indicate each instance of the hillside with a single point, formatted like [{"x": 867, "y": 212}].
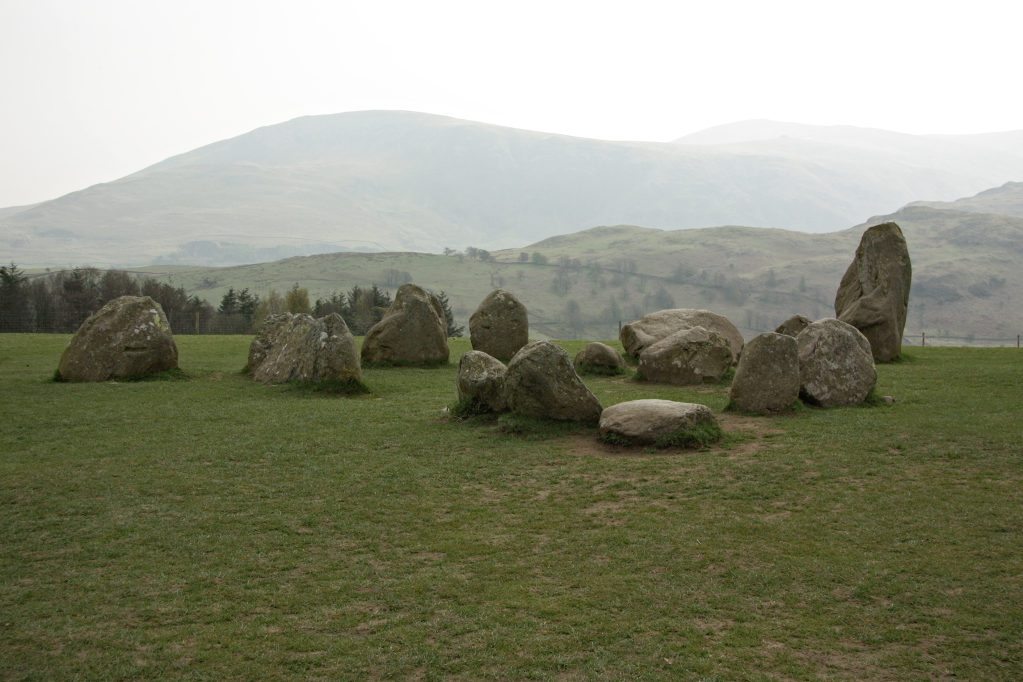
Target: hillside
[
  {"x": 402, "y": 181},
  {"x": 580, "y": 285},
  {"x": 1005, "y": 200}
]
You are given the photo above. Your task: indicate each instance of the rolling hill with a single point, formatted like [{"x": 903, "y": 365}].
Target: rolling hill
[
  {"x": 580, "y": 285},
  {"x": 403, "y": 181}
]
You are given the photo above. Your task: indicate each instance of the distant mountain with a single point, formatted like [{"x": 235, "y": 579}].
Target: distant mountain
[{"x": 402, "y": 181}]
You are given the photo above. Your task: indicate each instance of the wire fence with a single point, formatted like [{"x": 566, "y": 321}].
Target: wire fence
[{"x": 925, "y": 339}]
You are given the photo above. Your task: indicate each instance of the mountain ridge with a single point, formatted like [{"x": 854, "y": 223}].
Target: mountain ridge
[{"x": 399, "y": 181}]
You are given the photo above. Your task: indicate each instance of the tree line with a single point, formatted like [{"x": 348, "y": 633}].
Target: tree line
[{"x": 59, "y": 303}]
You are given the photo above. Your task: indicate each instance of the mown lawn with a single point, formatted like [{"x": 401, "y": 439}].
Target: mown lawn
[{"x": 214, "y": 528}]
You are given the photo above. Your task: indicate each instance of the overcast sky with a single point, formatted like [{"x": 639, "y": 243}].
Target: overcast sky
[{"x": 93, "y": 90}]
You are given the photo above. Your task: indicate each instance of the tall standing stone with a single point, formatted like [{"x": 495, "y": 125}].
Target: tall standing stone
[
  {"x": 500, "y": 325},
  {"x": 874, "y": 293},
  {"x": 127, "y": 338},
  {"x": 411, "y": 332}
]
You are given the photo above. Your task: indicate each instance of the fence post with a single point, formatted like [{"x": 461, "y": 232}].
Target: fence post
[{"x": 923, "y": 339}]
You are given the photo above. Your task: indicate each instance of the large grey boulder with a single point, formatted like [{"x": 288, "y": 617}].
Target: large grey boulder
[
  {"x": 500, "y": 325},
  {"x": 541, "y": 382},
  {"x": 411, "y": 332},
  {"x": 767, "y": 377},
  {"x": 649, "y": 329},
  {"x": 873, "y": 295},
  {"x": 651, "y": 420},
  {"x": 481, "y": 378},
  {"x": 599, "y": 358},
  {"x": 127, "y": 338},
  {"x": 793, "y": 325},
  {"x": 690, "y": 356},
  {"x": 297, "y": 347},
  {"x": 835, "y": 364}
]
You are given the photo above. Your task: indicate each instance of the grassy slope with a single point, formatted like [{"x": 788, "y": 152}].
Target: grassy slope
[
  {"x": 218, "y": 528},
  {"x": 757, "y": 277}
]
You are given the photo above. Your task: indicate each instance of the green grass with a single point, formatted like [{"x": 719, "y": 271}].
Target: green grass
[{"x": 218, "y": 528}]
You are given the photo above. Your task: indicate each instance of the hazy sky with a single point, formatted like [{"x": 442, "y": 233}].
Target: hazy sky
[{"x": 96, "y": 89}]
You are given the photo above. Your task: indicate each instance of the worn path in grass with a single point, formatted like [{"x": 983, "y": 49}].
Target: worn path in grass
[{"x": 216, "y": 528}]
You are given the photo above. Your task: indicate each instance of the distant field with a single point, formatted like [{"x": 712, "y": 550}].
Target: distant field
[{"x": 214, "y": 528}]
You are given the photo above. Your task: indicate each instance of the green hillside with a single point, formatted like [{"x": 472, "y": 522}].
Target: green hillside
[{"x": 965, "y": 270}]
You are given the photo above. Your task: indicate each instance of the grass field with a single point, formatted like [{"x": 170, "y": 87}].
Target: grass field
[{"x": 214, "y": 528}]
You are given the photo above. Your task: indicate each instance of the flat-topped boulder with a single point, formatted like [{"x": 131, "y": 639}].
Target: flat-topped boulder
[
  {"x": 500, "y": 325},
  {"x": 873, "y": 295},
  {"x": 127, "y": 338},
  {"x": 836, "y": 366},
  {"x": 297, "y": 347},
  {"x": 481, "y": 378},
  {"x": 541, "y": 382},
  {"x": 690, "y": 356},
  {"x": 599, "y": 358},
  {"x": 652, "y": 421},
  {"x": 411, "y": 332},
  {"x": 649, "y": 329},
  {"x": 767, "y": 376}
]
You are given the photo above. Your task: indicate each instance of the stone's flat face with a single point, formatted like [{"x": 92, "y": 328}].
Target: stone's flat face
[
  {"x": 297, "y": 347},
  {"x": 836, "y": 366},
  {"x": 127, "y": 338},
  {"x": 481, "y": 378},
  {"x": 690, "y": 356},
  {"x": 767, "y": 377},
  {"x": 647, "y": 421},
  {"x": 599, "y": 355},
  {"x": 873, "y": 295},
  {"x": 541, "y": 382},
  {"x": 649, "y": 329},
  {"x": 500, "y": 325},
  {"x": 412, "y": 331}
]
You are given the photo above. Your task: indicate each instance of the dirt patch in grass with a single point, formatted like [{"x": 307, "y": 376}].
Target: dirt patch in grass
[{"x": 744, "y": 435}]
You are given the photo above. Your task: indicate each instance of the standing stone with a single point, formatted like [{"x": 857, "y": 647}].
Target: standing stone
[
  {"x": 874, "y": 293},
  {"x": 127, "y": 338},
  {"x": 649, "y": 329},
  {"x": 648, "y": 421},
  {"x": 793, "y": 325},
  {"x": 835, "y": 364},
  {"x": 500, "y": 325},
  {"x": 767, "y": 377},
  {"x": 541, "y": 382},
  {"x": 411, "y": 332},
  {"x": 690, "y": 356},
  {"x": 296, "y": 347},
  {"x": 599, "y": 358},
  {"x": 481, "y": 378}
]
